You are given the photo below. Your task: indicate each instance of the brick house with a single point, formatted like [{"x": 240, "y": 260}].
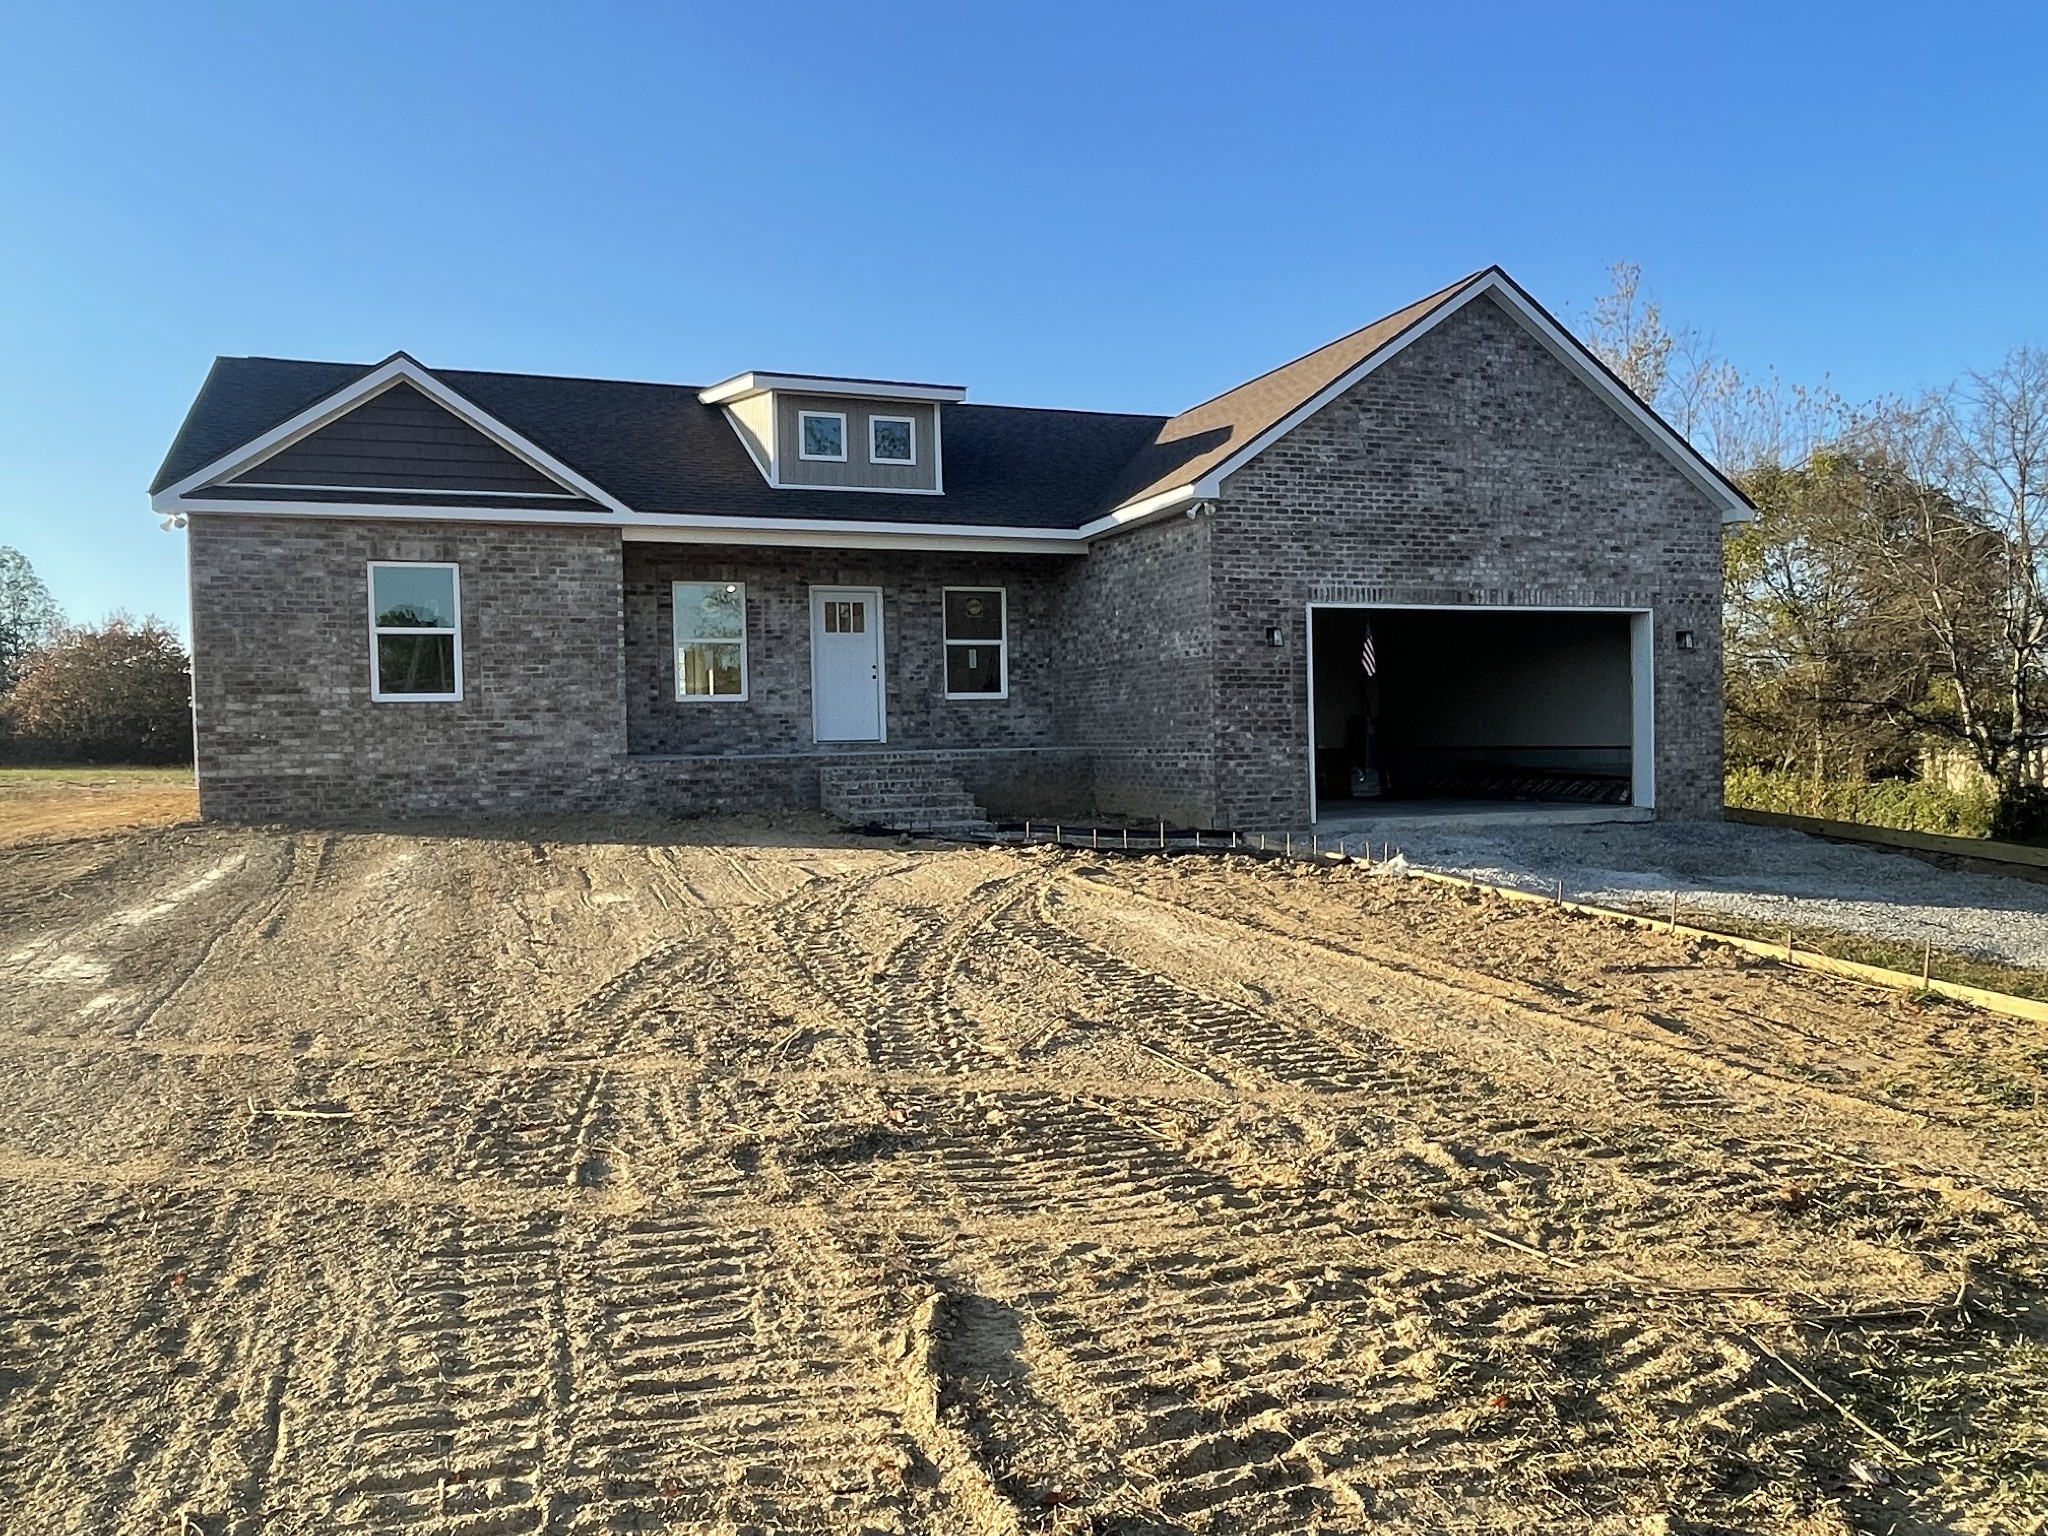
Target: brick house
[{"x": 1447, "y": 555}]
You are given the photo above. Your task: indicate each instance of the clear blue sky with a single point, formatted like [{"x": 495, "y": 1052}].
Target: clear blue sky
[{"x": 1103, "y": 205}]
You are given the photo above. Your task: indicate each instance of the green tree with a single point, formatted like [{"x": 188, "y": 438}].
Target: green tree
[{"x": 114, "y": 692}]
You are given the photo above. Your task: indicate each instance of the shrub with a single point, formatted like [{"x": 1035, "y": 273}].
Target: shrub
[
  {"x": 118, "y": 692},
  {"x": 1910, "y": 805}
]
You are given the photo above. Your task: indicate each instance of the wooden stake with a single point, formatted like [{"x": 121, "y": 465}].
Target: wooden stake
[
  {"x": 1127, "y": 837},
  {"x": 1926, "y": 963},
  {"x": 1290, "y": 845},
  {"x": 1095, "y": 837},
  {"x": 1027, "y": 829},
  {"x": 1315, "y": 845},
  {"x": 1162, "y": 831},
  {"x": 1674, "y": 909}
]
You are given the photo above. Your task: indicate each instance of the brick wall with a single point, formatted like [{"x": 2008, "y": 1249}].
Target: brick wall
[
  {"x": 776, "y": 716},
  {"x": 281, "y": 651},
  {"x": 1140, "y": 656},
  {"x": 1472, "y": 468}
]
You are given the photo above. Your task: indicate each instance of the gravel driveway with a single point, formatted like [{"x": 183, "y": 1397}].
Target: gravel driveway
[{"x": 1762, "y": 873}]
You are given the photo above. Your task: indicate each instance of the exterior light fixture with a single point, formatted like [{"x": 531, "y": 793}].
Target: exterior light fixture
[
  {"x": 1688, "y": 641},
  {"x": 1275, "y": 636}
]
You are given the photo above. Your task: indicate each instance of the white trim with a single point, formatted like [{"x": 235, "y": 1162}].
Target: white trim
[
  {"x": 676, "y": 528},
  {"x": 848, "y": 535},
  {"x": 1566, "y": 348},
  {"x": 454, "y": 571},
  {"x": 677, "y": 642},
  {"x": 741, "y": 386},
  {"x": 907, "y": 421},
  {"x": 1308, "y": 648},
  {"x": 746, "y": 442},
  {"x": 1642, "y": 659},
  {"x": 865, "y": 490},
  {"x": 938, "y": 454},
  {"x": 823, "y": 458},
  {"x": 881, "y": 661},
  {"x": 1138, "y": 511},
  {"x": 405, "y": 490},
  {"x": 400, "y": 369},
  {"x": 1001, "y": 642},
  {"x": 1642, "y": 747}
]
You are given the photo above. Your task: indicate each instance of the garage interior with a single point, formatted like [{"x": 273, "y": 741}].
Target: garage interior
[{"x": 1471, "y": 706}]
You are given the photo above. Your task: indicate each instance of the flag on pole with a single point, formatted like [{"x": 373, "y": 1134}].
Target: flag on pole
[{"x": 1366, "y": 658}]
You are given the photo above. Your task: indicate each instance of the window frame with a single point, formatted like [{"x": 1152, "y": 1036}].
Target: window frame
[
  {"x": 908, "y": 421},
  {"x": 677, "y": 642},
  {"x": 1001, "y": 643},
  {"x": 377, "y": 631},
  {"x": 821, "y": 458}
]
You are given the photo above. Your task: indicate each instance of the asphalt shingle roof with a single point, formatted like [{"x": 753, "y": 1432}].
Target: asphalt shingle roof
[
  {"x": 658, "y": 450},
  {"x": 655, "y": 448}
]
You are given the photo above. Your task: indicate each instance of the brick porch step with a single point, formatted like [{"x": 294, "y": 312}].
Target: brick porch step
[{"x": 906, "y": 796}]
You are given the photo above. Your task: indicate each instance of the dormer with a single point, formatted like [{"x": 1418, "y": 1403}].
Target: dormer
[{"x": 813, "y": 433}]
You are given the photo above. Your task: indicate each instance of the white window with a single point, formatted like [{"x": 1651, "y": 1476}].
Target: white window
[
  {"x": 711, "y": 640},
  {"x": 415, "y": 632},
  {"x": 892, "y": 440},
  {"x": 977, "y": 645},
  {"x": 821, "y": 435}
]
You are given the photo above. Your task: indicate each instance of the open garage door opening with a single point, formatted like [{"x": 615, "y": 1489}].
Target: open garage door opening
[{"x": 1462, "y": 705}]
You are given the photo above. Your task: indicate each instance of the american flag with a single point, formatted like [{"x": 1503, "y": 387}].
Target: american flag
[{"x": 1366, "y": 658}]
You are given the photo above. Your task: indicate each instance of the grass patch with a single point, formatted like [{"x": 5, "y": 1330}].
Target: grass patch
[
  {"x": 1903, "y": 805},
  {"x": 89, "y": 778},
  {"x": 1888, "y": 954}
]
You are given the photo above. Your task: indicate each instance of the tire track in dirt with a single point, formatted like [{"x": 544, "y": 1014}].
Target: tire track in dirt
[
  {"x": 894, "y": 1003},
  {"x": 454, "y": 1431}
]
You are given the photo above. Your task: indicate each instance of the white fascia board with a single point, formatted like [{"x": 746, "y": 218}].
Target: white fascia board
[
  {"x": 1559, "y": 343},
  {"x": 1133, "y": 513},
  {"x": 165, "y": 504},
  {"x": 678, "y": 528},
  {"x": 398, "y": 370},
  {"x": 746, "y": 385},
  {"x": 854, "y": 536}
]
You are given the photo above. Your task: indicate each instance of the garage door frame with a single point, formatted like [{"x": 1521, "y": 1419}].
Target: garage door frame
[{"x": 1642, "y": 685}]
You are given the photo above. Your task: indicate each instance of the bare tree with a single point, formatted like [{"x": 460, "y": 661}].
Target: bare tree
[
  {"x": 1739, "y": 423},
  {"x": 28, "y": 614},
  {"x": 1626, "y": 332}
]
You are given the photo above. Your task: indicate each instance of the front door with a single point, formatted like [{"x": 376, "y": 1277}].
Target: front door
[{"x": 846, "y": 663}]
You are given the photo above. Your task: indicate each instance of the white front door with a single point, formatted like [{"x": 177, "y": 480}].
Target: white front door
[{"x": 846, "y": 663}]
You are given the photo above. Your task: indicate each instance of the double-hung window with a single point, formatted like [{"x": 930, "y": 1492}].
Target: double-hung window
[
  {"x": 415, "y": 632},
  {"x": 977, "y": 644},
  {"x": 711, "y": 640}
]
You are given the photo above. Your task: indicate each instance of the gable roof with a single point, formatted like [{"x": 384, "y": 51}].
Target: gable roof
[
  {"x": 655, "y": 448},
  {"x": 1195, "y": 443},
  {"x": 1195, "y": 450},
  {"x": 657, "y": 451}
]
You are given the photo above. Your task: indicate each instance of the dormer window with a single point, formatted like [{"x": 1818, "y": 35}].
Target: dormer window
[
  {"x": 892, "y": 440},
  {"x": 821, "y": 435}
]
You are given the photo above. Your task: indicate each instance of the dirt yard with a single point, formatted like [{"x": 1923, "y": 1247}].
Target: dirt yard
[
  {"x": 37, "y": 804},
  {"x": 577, "y": 1181}
]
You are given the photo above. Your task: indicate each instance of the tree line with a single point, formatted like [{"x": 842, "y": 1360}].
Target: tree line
[
  {"x": 1887, "y": 611},
  {"x": 119, "y": 691}
]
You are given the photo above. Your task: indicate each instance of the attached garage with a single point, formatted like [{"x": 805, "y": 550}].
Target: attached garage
[{"x": 1461, "y": 704}]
